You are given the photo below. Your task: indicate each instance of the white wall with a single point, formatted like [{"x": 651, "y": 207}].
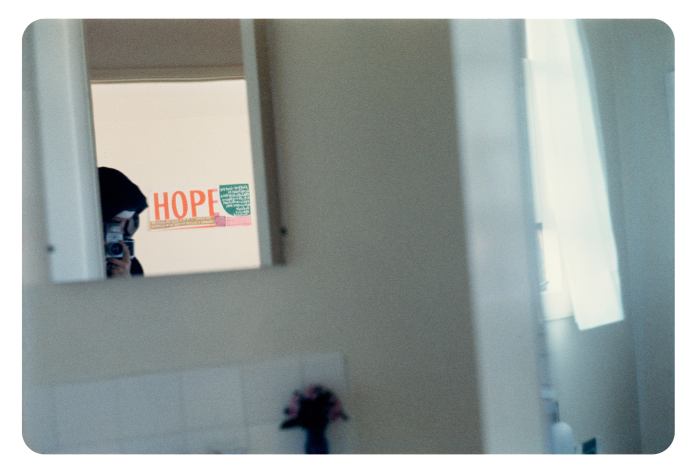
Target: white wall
[
  {"x": 617, "y": 382},
  {"x": 56, "y": 93},
  {"x": 501, "y": 243},
  {"x": 375, "y": 250},
  {"x": 647, "y": 184}
]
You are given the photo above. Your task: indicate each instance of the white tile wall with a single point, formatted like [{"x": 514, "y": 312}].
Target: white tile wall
[
  {"x": 39, "y": 427},
  {"x": 150, "y": 405},
  {"x": 269, "y": 439},
  {"x": 201, "y": 387},
  {"x": 217, "y": 440},
  {"x": 87, "y": 413},
  {"x": 202, "y": 411},
  {"x": 267, "y": 389}
]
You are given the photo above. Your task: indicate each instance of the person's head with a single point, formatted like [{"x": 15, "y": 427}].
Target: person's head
[
  {"x": 122, "y": 200},
  {"x": 129, "y": 222}
]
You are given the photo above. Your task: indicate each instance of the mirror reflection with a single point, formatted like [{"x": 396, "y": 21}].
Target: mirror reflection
[
  {"x": 171, "y": 122},
  {"x": 186, "y": 145}
]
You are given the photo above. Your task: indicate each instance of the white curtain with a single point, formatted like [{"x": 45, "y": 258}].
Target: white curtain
[{"x": 570, "y": 178}]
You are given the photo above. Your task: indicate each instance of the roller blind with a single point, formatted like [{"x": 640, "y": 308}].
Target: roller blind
[{"x": 580, "y": 257}]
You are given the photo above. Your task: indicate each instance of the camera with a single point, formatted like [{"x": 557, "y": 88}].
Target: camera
[{"x": 113, "y": 234}]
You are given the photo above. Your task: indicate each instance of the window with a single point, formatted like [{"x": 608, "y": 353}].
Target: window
[{"x": 579, "y": 258}]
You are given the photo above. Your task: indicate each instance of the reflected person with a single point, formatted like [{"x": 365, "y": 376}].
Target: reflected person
[{"x": 122, "y": 202}]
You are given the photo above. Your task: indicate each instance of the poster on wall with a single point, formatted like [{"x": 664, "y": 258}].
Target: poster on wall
[{"x": 200, "y": 207}]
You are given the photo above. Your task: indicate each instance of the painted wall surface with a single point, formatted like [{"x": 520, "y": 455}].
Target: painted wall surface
[
  {"x": 647, "y": 179},
  {"x": 501, "y": 243},
  {"x": 375, "y": 250}
]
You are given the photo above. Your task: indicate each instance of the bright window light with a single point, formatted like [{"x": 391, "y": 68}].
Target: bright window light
[{"x": 579, "y": 258}]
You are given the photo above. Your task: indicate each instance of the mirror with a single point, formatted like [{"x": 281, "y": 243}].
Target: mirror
[
  {"x": 186, "y": 145},
  {"x": 181, "y": 108}
]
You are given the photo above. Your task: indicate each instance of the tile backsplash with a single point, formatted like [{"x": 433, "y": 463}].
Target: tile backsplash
[{"x": 233, "y": 409}]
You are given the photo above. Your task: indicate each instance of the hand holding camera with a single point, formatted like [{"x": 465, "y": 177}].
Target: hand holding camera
[
  {"x": 120, "y": 266},
  {"x": 119, "y": 249}
]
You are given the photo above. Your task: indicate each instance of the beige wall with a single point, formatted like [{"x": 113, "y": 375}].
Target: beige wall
[{"x": 376, "y": 268}]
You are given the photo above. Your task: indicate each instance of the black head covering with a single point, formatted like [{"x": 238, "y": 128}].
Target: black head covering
[{"x": 118, "y": 194}]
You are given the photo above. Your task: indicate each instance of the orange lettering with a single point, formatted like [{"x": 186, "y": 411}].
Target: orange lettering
[
  {"x": 201, "y": 197},
  {"x": 211, "y": 201},
  {"x": 184, "y": 204},
  {"x": 163, "y": 205}
]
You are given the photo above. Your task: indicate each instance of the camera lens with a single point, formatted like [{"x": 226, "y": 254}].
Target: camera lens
[{"x": 115, "y": 249}]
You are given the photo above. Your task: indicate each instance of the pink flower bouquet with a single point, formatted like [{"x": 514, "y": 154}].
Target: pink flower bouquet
[{"x": 313, "y": 410}]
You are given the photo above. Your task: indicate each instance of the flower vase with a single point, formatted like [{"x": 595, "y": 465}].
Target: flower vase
[{"x": 316, "y": 441}]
